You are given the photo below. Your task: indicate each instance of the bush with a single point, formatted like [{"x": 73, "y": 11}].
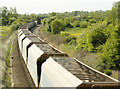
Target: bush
[
  {"x": 76, "y": 24},
  {"x": 83, "y": 24},
  {"x": 14, "y": 26},
  {"x": 110, "y": 53},
  {"x": 67, "y": 22},
  {"x": 65, "y": 34},
  {"x": 71, "y": 40},
  {"x": 47, "y": 23},
  {"x": 108, "y": 72},
  {"x": 92, "y": 21},
  {"x": 69, "y": 25},
  {"x": 11, "y": 20},
  {"x": 47, "y": 27},
  {"x": 92, "y": 38},
  {"x": 44, "y": 21}
]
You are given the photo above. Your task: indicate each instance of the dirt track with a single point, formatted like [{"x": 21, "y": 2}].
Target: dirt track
[{"x": 20, "y": 74}]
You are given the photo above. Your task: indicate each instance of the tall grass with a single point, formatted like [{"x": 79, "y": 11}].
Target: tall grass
[{"x": 6, "y": 76}]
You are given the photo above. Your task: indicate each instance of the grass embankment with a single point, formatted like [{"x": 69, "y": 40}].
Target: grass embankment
[
  {"x": 84, "y": 56},
  {"x": 6, "y": 75},
  {"x": 5, "y": 33},
  {"x": 74, "y": 31}
]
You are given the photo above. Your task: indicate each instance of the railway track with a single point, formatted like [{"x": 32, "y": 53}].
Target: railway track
[{"x": 50, "y": 67}]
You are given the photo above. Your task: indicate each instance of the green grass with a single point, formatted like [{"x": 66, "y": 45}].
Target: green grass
[
  {"x": 74, "y": 31},
  {"x": 69, "y": 49},
  {"x": 77, "y": 32},
  {"x": 84, "y": 56},
  {"x": 5, "y": 32},
  {"x": 6, "y": 77},
  {"x": 115, "y": 74}
]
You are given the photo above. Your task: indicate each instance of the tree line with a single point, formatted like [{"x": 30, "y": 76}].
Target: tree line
[
  {"x": 10, "y": 17},
  {"x": 102, "y": 34}
]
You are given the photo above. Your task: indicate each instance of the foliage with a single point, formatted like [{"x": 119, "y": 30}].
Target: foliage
[
  {"x": 76, "y": 24},
  {"x": 83, "y": 24},
  {"x": 95, "y": 32},
  {"x": 52, "y": 14},
  {"x": 11, "y": 20},
  {"x": 110, "y": 55},
  {"x": 8, "y": 16},
  {"x": 92, "y": 21},
  {"x": 93, "y": 38},
  {"x": 108, "y": 72},
  {"x": 56, "y": 26},
  {"x": 14, "y": 26},
  {"x": 71, "y": 40},
  {"x": 67, "y": 22}
]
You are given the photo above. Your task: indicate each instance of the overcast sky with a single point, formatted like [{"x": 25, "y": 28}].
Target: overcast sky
[{"x": 47, "y": 6}]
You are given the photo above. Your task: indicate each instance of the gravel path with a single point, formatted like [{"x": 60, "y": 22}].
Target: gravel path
[{"x": 20, "y": 74}]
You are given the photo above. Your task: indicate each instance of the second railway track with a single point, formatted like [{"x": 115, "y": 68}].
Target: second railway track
[{"x": 50, "y": 67}]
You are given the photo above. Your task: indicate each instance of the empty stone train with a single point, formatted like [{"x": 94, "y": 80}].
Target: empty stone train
[{"x": 50, "y": 67}]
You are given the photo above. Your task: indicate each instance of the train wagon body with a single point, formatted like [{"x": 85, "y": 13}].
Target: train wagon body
[
  {"x": 54, "y": 75},
  {"x": 23, "y": 34},
  {"x": 27, "y": 42},
  {"x": 34, "y": 54}
]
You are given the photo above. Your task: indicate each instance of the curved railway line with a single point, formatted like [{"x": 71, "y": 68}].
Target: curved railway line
[{"x": 50, "y": 67}]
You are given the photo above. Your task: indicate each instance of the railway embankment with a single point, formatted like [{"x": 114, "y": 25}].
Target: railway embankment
[
  {"x": 20, "y": 75},
  {"x": 5, "y": 46}
]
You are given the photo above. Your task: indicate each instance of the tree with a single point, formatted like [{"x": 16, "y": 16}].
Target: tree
[
  {"x": 33, "y": 17},
  {"x": 67, "y": 22},
  {"x": 76, "y": 24},
  {"x": 52, "y": 14},
  {"x": 56, "y": 26},
  {"x": 11, "y": 20},
  {"x": 4, "y": 16},
  {"x": 8, "y": 16}
]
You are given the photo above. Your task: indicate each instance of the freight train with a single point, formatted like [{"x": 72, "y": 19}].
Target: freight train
[{"x": 50, "y": 67}]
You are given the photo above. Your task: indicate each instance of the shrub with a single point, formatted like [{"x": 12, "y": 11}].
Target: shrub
[
  {"x": 67, "y": 22},
  {"x": 69, "y": 25},
  {"x": 47, "y": 23},
  {"x": 92, "y": 38},
  {"x": 14, "y": 26},
  {"x": 76, "y": 24},
  {"x": 44, "y": 21},
  {"x": 83, "y": 24},
  {"x": 108, "y": 72},
  {"x": 65, "y": 34},
  {"x": 110, "y": 53},
  {"x": 71, "y": 40},
  {"x": 47, "y": 27},
  {"x": 92, "y": 21},
  {"x": 11, "y": 20}
]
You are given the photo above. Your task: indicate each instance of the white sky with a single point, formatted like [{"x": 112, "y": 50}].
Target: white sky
[{"x": 47, "y": 6}]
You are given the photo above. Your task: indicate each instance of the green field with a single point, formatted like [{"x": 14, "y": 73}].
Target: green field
[
  {"x": 77, "y": 32},
  {"x": 70, "y": 49},
  {"x": 74, "y": 31}
]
